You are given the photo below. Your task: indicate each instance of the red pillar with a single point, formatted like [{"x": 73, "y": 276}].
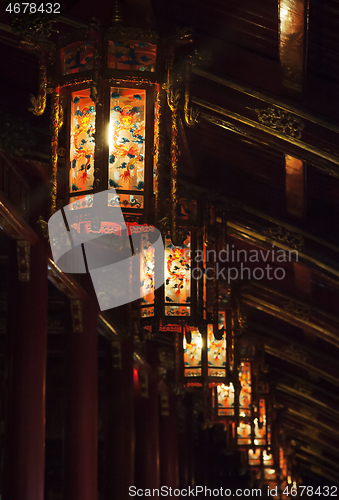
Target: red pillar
[
  {"x": 119, "y": 435},
  {"x": 168, "y": 432},
  {"x": 81, "y": 423},
  {"x": 186, "y": 448},
  {"x": 147, "y": 472},
  {"x": 27, "y": 341}
]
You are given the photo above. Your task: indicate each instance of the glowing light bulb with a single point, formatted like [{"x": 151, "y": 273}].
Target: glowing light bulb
[{"x": 199, "y": 341}]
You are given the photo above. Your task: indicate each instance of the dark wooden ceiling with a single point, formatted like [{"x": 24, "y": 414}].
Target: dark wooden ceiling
[{"x": 238, "y": 161}]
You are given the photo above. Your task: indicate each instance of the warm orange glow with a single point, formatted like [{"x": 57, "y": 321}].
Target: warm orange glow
[
  {"x": 294, "y": 186},
  {"x": 292, "y": 27}
]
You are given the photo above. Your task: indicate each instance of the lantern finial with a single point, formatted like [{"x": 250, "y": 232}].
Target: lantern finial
[{"x": 117, "y": 15}]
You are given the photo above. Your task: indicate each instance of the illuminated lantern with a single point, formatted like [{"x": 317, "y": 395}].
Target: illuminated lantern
[
  {"x": 254, "y": 458},
  {"x": 193, "y": 356},
  {"x": 104, "y": 88},
  {"x": 261, "y": 429},
  {"x": 283, "y": 471},
  {"x": 246, "y": 425},
  {"x": 182, "y": 299},
  {"x": 111, "y": 118},
  {"x": 226, "y": 401},
  {"x": 269, "y": 474},
  {"x": 217, "y": 350}
]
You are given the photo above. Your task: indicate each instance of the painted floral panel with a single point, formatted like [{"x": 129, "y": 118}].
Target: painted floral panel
[
  {"x": 147, "y": 257},
  {"x": 244, "y": 433},
  {"x": 127, "y": 142},
  {"x": 131, "y": 55},
  {"x": 225, "y": 395},
  {"x": 260, "y": 434},
  {"x": 192, "y": 354},
  {"x": 254, "y": 457},
  {"x": 216, "y": 350},
  {"x": 245, "y": 393},
  {"x": 177, "y": 278},
  {"x": 82, "y": 143}
]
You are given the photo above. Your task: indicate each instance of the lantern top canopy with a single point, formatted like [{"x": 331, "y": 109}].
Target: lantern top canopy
[{"x": 92, "y": 53}]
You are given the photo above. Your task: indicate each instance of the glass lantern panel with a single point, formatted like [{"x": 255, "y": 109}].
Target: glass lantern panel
[
  {"x": 127, "y": 145},
  {"x": 147, "y": 256},
  {"x": 177, "y": 278},
  {"x": 225, "y": 400},
  {"x": 270, "y": 475},
  {"x": 282, "y": 463},
  {"x": 260, "y": 433},
  {"x": 82, "y": 144},
  {"x": 216, "y": 349},
  {"x": 268, "y": 459},
  {"x": 77, "y": 57},
  {"x": 245, "y": 393},
  {"x": 244, "y": 433},
  {"x": 131, "y": 55},
  {"x": 254, "y": 458},
  {"x": 192, "y": 355}
]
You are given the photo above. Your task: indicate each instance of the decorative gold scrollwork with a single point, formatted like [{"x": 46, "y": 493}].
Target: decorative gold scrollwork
[
  {"x": 191, "y": 114},
  {"x": 174, "y": 96},
  {"x": 43, "y": 227},
  {"x": 39, "y": 103},
  {"x": 309, "y": 413},
  {"x": 280, "y": 120},
  {"x": 281, "y": 235},
  {"x": 304, "y": 389},
  {"x": 296, "y": 353},
  {"x": 56, "y": 124},
  {"x": 173, "y": 100},
  {"x": 300, "y": 311}
]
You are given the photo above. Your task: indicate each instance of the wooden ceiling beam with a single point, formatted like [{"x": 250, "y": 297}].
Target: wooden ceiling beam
[
  {"x": 266, "y": 120},
  {"x": 332, "y": 475},
  {"x": 304, "y": 388},
  {"x": 279, "y": 237},
  {"x": 297, "y": 354},
  {"x": 309, "y": 410},
  {"x": 307, "y": 418},
  {"x": 294, "y": 311},
  {"x": 294, "y": 393},
  {"x": 308, "y": 437},
  {"x": 293, "y": 356}
]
